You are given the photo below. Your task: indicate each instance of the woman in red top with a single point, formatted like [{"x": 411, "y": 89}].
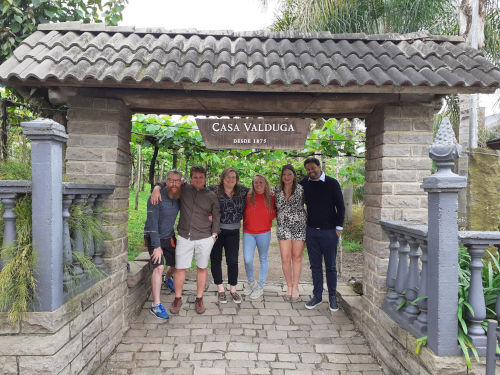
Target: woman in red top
[{"x": 260, "y": 211}]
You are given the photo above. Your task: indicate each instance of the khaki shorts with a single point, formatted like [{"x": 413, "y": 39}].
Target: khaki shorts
[{"x": 185, "y": 248}]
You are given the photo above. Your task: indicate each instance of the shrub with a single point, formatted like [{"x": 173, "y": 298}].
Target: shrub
[{"x": 353, "y": 232}]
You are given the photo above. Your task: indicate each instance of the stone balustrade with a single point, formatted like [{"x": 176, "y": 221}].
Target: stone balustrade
[
  {"x": 408, "y": 280},
  {"x": 422, "y": 275},
  {"x": 476, "y": 244},
  {"x": 88, "y": 197},
  {"x": 406, "y": 299}
]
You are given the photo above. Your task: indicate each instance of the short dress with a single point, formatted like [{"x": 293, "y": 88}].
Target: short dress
[{"x": 291, "y": 216}]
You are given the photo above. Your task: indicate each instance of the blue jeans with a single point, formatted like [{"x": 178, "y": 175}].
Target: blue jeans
[
  {"x": 262, "y": 242},
  {"x": 322, "y": 244}
]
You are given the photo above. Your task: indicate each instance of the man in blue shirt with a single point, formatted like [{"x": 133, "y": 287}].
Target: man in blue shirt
[
  {"x": 325, "y": 218},
  {"x": 160, "y": 238}
]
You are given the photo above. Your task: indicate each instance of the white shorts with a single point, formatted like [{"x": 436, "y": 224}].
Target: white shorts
[{"x": 185, "y": 248}]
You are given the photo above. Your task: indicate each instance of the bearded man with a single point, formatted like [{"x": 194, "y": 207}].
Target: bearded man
[{"x": 159, "y": 236}]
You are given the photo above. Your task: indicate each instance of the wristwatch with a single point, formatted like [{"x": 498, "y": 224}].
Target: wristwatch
[{"x": 214, "y": 236}]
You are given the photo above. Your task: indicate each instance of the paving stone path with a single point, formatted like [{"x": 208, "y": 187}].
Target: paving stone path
[{"x": 267, "y": 336}]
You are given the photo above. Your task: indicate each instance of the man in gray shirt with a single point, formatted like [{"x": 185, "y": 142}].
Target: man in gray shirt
[
  {"x": 159, "y": 236},
  {"x": 197, "y": 234}
]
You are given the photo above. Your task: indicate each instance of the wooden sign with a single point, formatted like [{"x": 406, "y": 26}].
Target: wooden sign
[{"x": 254, "y": 133}]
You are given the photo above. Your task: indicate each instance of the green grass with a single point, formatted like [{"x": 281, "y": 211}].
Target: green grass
[
  {"x": 351, "y": 246},
  {"x": 136, "y": 220}
]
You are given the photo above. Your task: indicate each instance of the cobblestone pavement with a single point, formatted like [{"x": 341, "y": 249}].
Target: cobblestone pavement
[{"x": 266, "y": 336}]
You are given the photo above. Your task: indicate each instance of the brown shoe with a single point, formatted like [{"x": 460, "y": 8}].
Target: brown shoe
[
  {"x": 236, "y": 297},
  {"x": 221, "y": 297},
  {"x": 175, "y": 307},
  {"x": 199, "y": 306}
]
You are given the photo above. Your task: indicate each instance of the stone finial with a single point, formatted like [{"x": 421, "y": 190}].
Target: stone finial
[{"x": 445, "y": 147}]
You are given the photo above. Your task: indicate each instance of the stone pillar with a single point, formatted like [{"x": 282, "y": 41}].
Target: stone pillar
[
  {"x": 47, "y": 138},
  {"x": 442, "y": 278},
  {"x": 397, "y": 141},
  {"x": 99, "y": 152}
]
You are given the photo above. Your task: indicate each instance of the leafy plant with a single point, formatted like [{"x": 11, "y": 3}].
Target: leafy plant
[
  {"x": 86, "y": 223},
  {"x": 12, "y": 170},
  {"x": 421, "y": 341},
  {"x": 491, "y": 285},
  {"x": 21, "y": 17},
  {"x": 17, "y": 281}
]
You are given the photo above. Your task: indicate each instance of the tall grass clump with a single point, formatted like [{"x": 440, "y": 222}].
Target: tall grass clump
[
  {"x": 17, "y": 281},
  {"x": 89, "y": 226},
  {"x": 13, "y": 170}
]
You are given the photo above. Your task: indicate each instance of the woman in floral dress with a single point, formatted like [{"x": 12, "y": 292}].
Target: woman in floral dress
[{"x": 291, "y": 229}]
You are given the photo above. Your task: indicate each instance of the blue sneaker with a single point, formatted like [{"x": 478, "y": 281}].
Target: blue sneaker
[
  {"x": 313, "y": 303},
  {"x": 159, "y": 311},
  {"x": 333, "y": 303},
  {"x": 169, "y": 283}
]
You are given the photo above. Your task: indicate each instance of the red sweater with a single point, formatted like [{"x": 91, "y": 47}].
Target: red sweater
[{"x": 257, "y": 218}]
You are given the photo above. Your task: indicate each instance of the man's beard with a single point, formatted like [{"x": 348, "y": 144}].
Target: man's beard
[{"x": 174, "y": 194}]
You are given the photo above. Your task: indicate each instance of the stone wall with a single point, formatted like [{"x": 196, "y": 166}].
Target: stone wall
[
  {"x": 74, "y": 339},
  {"x": 82, "y": 333},
  {"x": 397, "y": 147},
  {"x": 396, "y": 349},
  {"x": 397, "y": 160},
  {"x": 98, "y": 151}
]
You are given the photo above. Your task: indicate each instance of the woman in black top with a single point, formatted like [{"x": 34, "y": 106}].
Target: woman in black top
[{"x": 232, "y": 197}]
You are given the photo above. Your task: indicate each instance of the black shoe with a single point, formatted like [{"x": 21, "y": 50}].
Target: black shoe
[
  {"x": 313, "y": 303},
  {"x": 333, "y": 304}
]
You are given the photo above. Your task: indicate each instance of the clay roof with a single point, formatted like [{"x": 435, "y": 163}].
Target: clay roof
[{"x": 100, "y": 56}]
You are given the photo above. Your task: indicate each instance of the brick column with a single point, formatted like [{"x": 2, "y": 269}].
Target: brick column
[
  {"x": 98, "y": 151},
  {"x": 397, "y": 147}
]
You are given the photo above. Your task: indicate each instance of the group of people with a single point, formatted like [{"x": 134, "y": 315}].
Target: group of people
[{"x": 308, "y": 212}]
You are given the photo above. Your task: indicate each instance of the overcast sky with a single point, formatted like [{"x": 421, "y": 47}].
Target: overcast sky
[{"x": 237, "y": 15}]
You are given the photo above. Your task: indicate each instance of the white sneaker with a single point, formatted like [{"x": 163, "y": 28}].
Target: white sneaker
[
  {"x": 257, "y": 292},
  {"x": 250, "y": 288}
]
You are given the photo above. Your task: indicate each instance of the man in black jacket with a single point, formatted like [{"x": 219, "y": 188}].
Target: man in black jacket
[{"x": 325, "y": 218}]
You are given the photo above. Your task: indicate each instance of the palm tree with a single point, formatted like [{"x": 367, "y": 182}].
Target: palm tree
[{"x": 386, "y": 16}]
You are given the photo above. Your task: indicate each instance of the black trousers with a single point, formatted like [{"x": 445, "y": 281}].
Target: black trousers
[
  {"x": 322, "y": 244},
  {"x": 230, "y": 241}
]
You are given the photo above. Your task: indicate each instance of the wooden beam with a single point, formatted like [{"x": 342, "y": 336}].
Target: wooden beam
[{"x": 311, "y": 105}]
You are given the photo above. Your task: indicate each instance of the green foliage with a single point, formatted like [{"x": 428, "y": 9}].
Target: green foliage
[
  {"x": 491, "y": 286},
  {"x": 421, "y": 341},
  {"x": 136, "y": 220},
  {"x": 88, "y": 267},
  {"x": 11, "y": 170},
  {"x": 353, "y": 232},
  {"x": 17, "y": 282},
  {"x": 368, "y": 16},
  {"x": 19, "y": 18},
  {"x": 180, "y": 136},
  {"x": 87, "y": 223},
  {"x": 350, "y": 247},
  {"x": 492, "y": 31}
]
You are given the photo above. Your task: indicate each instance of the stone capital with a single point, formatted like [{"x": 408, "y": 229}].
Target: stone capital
[{"x": 44, "y": 130}]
